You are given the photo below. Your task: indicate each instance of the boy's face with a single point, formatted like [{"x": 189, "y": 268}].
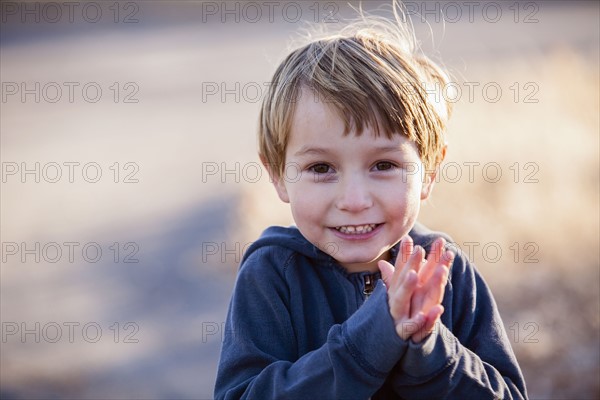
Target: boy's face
[{"x": 352, "y": 196}]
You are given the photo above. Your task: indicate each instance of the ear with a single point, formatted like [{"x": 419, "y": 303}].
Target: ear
[
  {"x": 429, "y": 178},
  {"x": 277, "y": 181},
  {"x": 279, "y": 184}
]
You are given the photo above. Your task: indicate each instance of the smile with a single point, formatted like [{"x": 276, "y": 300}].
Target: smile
[{"x": 356, "y": 229}]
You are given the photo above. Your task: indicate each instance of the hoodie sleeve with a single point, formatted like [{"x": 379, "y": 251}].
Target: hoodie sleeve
[
  {"x": 259, "y": 357},
  {"x": 474, "y": 360}
]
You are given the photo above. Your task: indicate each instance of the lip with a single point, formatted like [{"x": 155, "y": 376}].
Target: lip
[{"x": 359, "y": 236}]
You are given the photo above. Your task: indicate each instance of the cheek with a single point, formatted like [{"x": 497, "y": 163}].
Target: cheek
[
  {"x": 405, "y": 200},
  {"x": 305, "y": 205}
]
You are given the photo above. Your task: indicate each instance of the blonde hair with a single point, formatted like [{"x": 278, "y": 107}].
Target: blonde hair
[{"x": 373, "y": 74}]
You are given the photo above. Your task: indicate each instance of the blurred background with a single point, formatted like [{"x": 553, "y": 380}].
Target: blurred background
[{"x": 131, "y": 186}]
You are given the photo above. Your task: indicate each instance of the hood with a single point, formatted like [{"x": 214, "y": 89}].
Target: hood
[{"x": 290, "y": 238}]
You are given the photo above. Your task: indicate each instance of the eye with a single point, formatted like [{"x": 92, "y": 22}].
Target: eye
[
  {"x": 320, "y": 168},
  {"x": 384, "y": 165}
]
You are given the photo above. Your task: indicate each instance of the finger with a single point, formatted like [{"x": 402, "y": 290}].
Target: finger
[
  {"x": 413, "y": 263},
  {"x": 407, "y": 328},
  {"x": 387, "y": 272},
  {"x": 448, "y": 258},
  {"x": 431, "y": 319},
  {"x": 395, "y": 278},
  {"x": 406, "y": 249},
  {"x": 432, "y": 292},
  {"x": 400, "y": 298},
  {"x": 433, "y": 315},
  {"x": 435, "y": 287},
  {"x": 434, "y": 258},
  {"x": 417, "y": 258},
  {"x": 406, "y": 245}
]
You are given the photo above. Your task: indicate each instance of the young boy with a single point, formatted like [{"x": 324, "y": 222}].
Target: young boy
[{"x": 345, "y": 305}]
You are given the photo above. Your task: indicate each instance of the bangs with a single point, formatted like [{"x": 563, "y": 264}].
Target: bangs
[{"x": 370, "y": 80}]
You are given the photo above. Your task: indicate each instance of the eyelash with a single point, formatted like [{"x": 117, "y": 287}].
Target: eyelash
[
  {"x": 314, "y": 166},
  {"x": 391, "y": 165}
]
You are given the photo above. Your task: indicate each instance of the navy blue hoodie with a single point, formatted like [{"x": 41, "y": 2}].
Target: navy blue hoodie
[{"x": 299, "y": 327}]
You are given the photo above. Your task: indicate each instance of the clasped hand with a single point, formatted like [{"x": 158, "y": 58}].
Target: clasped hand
[{"x": 416, "y": 286}]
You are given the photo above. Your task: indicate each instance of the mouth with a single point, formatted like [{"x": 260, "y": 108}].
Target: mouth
[{"x": 356, "y": 229}]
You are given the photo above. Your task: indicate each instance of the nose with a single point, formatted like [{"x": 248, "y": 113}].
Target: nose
[{"x": 354, "y": 194}]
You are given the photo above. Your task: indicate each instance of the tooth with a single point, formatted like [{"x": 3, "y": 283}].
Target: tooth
[{"x": 356, "y": 229}]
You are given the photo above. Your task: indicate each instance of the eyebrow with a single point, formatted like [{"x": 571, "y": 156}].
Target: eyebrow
[
  {"x": 311, "y": 150},
  {"x": 306, "y": 149}
]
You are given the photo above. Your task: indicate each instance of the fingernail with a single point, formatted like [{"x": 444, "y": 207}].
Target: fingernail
[
  {"x": 448, "y": 256},
  {"x": 417, "y": 249}
]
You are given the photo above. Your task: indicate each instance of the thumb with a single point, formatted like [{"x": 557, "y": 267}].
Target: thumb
[{"x": 387, "y": 271}]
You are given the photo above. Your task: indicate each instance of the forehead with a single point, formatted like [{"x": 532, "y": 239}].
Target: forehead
[
  {"x": 317, "y": 123},
  {"x": 315, "y": 113}
]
